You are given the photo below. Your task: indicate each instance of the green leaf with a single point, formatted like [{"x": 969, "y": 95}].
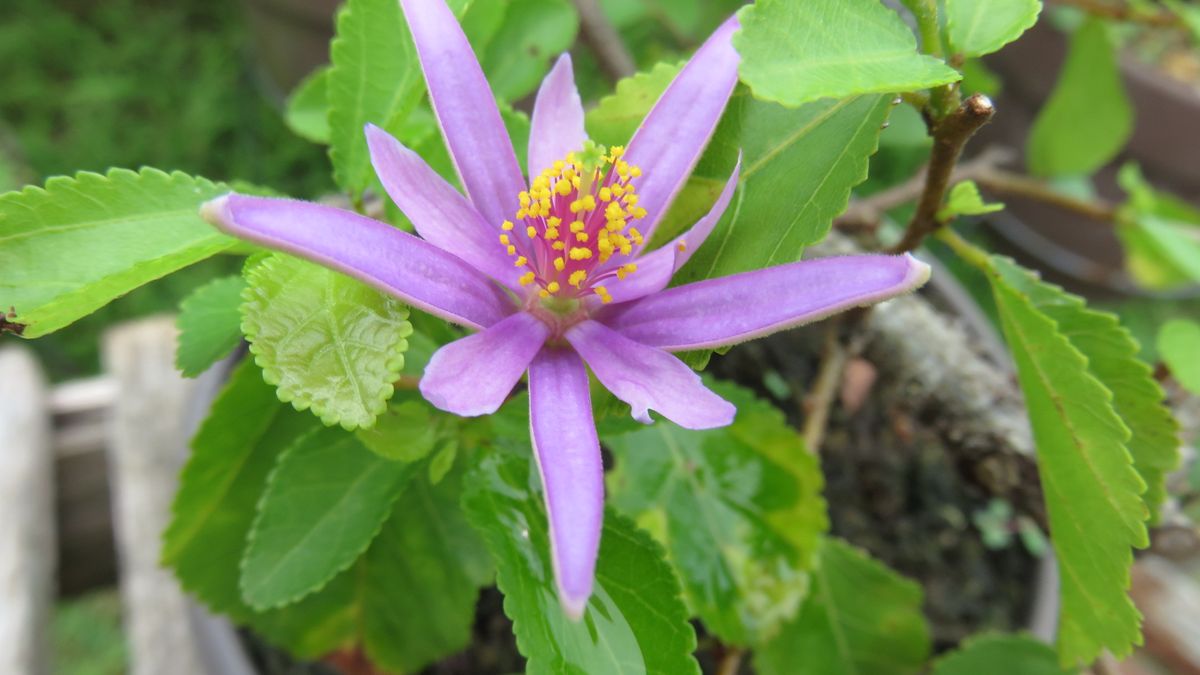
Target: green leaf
[
  {"x": 860, "y": 617},
  {"x": 375, "y": 78},
  {"x": 635, "y": 621},
  {"x": 232, "y": 454},
  {"x": 327, "y": 341},
  {"x": 997, "y": 654},
  {"x": 517, "y": 52},
  {"x": 307, "y": 109},
  {"x": 209, "y": 324},
  {"x": 978, "y": 27},
  {"x": 1088, "y": 117},
  {"x": 1160, "y": 232},
  {"x": 421, "y": 578},
  {"x": 1091, "y": 488},
  {"x": 79, "y": 243},
  {"x": 1112, "y": 358},
  {"x": 618, "y": 115},
  {"x": 741, "y": 510},
  {"x": 965, "y": 200},
  {"x": 798, "y": 167},
  {"x": 796, "y": 51},
  {"x": 407, "y": 431},
  {"x": 326, "y": 499},
  {"x": 1179, "y": 346}
]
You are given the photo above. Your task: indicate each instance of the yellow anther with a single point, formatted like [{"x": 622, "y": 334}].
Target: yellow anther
[
  {"x": 603, "y": 293},
  {"x": 626, "y": 270},
  {"x": 623, "y": 169},
  {"x": 618, "y": 189},
  {"x": 577, "y": 277},
  {"x": 578, "y": 226},
  {"x": 521, "y": 214},
  {"x": 507, "y": 226},
  {"x": 631, "y": 199},
  {"x": 520, "y": 261},
  {"x": 563, "y": 187},
  {"x": 637, "y": 236},
  {"x": 504, "y": 239},
  {"x": 638, "y": 212},
  {"x": 614, "y": 211},
  {"x": 577, "y": 206},
  {"x": 615, "y": 151},
  {"x": 531, "y": 231},
  {"x": 512, "y": 250},
  {"x": 553, "y": 287},
  {"x": 544, "y": 293},
  {"x": 626, "y": 249},
  {"x": 589, "y": 202},
  {"x": 635, "y": 171},
  {"x": 558, "y": 246},
  {"x": 560, "y": 263},
  {"x": 526, "y": 278},
  {"x": 551, "y": 233},
  {"x": 581, "y": 237},
  {"x": 605, "y": 194},
  {"x": 545, "y": 204},
  {"x": 558, "y": 166},
  {"x": 580, "y": 253}
]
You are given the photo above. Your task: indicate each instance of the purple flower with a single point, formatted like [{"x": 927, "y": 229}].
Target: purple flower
[{"x": 553, "y": 273}]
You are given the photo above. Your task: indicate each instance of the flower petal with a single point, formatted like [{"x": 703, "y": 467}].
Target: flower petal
[
  {"x": 656, "y": 268},
  {"x": 740, "y": 307},
  {"x": 441, "y": 215},
  {"x": 466, "y": 110},
  {"x": 668, "y": 143},
  {"x": 645, "y": 377},
  {"x": 568, "y": 459},
  {"x": 557, "y": 124},
  {"x": 378, "y": 254},
  {"x": 474, "y": 375}
]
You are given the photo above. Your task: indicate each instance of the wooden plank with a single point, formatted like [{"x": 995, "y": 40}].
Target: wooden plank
[
  {"x": 27, "y": 539},
  {"x": 146, "y": 438}
]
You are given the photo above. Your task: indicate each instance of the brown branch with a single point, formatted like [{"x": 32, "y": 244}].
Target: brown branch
[
  {"x": 602, "y": 39},
  {"x": 1008, "y": 183},
  {"x": 1121, "y": 11},
  {"x": 730, "y": 660},
  {"x": 819, "y": 400},
  {"x": 950, "y": 134}
]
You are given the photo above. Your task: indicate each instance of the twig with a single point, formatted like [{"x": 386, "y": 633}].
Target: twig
[
  {"x": 730, "y": 660},
  {"x": 1121, "y": 11},
  {"x": 1006, "y": 182},
  {"x": 603, "y": 41},
  {"x": 824, "y": 389},
  {"x": 950, "y": 134}
]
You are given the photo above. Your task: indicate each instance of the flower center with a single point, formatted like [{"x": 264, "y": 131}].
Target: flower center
[{"x": 574, "y": 218}]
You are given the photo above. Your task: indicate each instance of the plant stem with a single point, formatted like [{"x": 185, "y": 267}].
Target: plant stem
[
  {"x": 1121, "y": 11},
  {"x": 730, "y": 661},
  {"x": 950, "y": 134},
  {"x": 829, "y": 375},
  {"x": 604, "y": 41},
  {"x": 1006, "y": 182},
  {"x": 966, "y": 250}
]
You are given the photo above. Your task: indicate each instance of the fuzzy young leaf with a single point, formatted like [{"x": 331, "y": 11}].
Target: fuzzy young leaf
[
  {"x": 1179, "y": 345},
  {"x": 796, "y": 51},
  {"x": 978, "y": 27},
  {"x": 209, "y": 324},
  {"x": 742, "y": 510},
  {"x": 798, "y": 167},
  {"x": 326, "y": 499},
  {"x": 307, "y": 109},
  {"x": 1088, "y": 117},
  {"x": 521, "y": 38},
  {"x": 1092, "y": 491},
  {"x": 996, "y": 654},
  {"x": 327, "y": 341},
  {"x": 1112, "y": 358},
  {"x": 634, "y": 622},
  {"x": 79, "y": 243},
  {"x": 617, "y": 116},
  {"x": 964, "y": 200},
  {"x": 375, "y": 78},
  {"x": 860, "y": 617}
]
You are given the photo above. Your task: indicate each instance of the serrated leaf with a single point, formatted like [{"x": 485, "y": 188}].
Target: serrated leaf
[
  {"x": 307, "y": 109},
  {"x": 997, "y": 654},
  {"x": 421, "y": 577},
  {"x": 209, "y": 324},
  {"x": 634, "y": 622},
  {"x": 1112, "y": 358},
  {"x": 978, "y": 27},
  {"x": 79, "y": 243},
  {"x": 325, "y": 500},
  {"x": 516, "y": 52},
  {"x": 375, "y": 78},
  {"x": 796, "y": 51},
  {"x": 618, "y": 115},
  {"x": 327, "y": 341},
  {"x": 964, "y": 200},
  {"x": 1092, "y": 492},
  {"x": 741, "y": 510},
  {"x": 798, "y": 167},
  {"x": 860, "y": 618},
  {"x": 1088, "y": 117},
  {"x": 1179, "y": 346},
  {"x": 407, "y": 431}
]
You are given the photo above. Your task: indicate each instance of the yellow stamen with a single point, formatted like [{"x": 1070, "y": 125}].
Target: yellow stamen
[
  {"x": 531, "y": 231},
  {"x": 512, "y": 250},
  {"x": 526, "y": 278},
  {"x": 580, "y": 253},
  {"x": 558, "y": 246},
  {"x": 520, "y": 261},
  {"x": 581, "y": 237},
  {"x": 577, "y": 278},
  {"x": 559, "y": 263},
  {"x": 504, "y": 239},
  {"x": 553, "y": 287},
  {"x": 507, "y": 226}
]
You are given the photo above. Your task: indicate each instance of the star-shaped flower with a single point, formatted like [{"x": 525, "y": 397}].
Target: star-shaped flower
[{"x": 554, "y": 273}]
